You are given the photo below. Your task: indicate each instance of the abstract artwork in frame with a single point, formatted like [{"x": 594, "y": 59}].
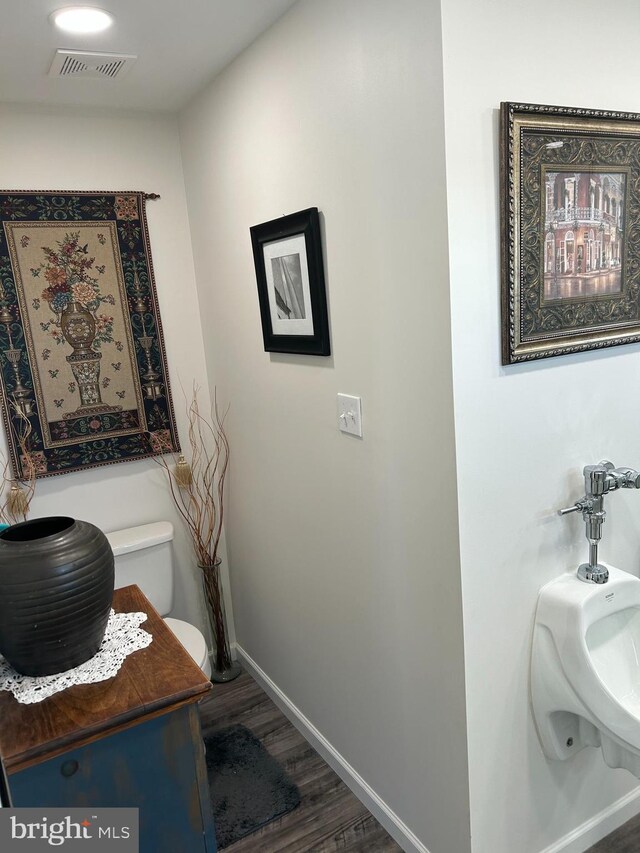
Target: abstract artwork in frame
[
  {"x": 81, "y": 345},
  {"x": 570, "y": 230},
  {"x": 287, "y": 253}
]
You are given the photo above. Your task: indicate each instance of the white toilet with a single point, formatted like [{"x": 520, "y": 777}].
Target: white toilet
[
  {"x": 143, "y": 555},
  {"x": 585, "y": 668}
]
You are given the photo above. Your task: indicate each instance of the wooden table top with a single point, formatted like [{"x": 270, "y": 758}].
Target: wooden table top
[{"x": 151, "y": 681}]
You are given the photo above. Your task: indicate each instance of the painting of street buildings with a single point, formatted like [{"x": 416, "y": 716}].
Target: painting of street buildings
[{"x": 583, "y": 234}]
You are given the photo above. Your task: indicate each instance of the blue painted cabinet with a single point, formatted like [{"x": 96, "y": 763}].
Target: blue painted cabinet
[
  {"x": 132, "y": 741},
  {"x": 153, "y": 766}
]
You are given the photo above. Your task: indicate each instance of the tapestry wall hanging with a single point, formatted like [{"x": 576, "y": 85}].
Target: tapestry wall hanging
[{"x": 81, "y": 346}]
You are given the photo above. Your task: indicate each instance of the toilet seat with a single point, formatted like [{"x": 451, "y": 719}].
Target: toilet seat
[
  {"x": 584, "y": 665},
  {"x": 143, "y": 556},
  {"x": 193, "y": 641}
]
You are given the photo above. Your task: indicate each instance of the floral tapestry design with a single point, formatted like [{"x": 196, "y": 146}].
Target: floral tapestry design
[{"x": 81, "y": 345}]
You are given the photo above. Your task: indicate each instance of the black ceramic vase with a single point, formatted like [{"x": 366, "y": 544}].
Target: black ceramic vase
[{"x": 56, "y": 588}]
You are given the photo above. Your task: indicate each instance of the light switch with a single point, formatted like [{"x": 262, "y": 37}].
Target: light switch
[{"x": 350, "y": 414}]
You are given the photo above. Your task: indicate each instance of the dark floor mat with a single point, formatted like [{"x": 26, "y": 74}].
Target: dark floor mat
[{"x": 248, "y": 787}]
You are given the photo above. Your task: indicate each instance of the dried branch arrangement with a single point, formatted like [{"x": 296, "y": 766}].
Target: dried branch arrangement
[
  {"x": 15, "y": 506},
  {"x": 197, "y": 489}
]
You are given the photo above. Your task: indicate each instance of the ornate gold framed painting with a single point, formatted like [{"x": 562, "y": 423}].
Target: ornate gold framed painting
[
  {"x": 570, "y": 194},
  {"x": 81, "y": 345}
]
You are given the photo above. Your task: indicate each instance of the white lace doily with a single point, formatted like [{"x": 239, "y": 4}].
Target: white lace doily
[{"x": 121, "y": 638}]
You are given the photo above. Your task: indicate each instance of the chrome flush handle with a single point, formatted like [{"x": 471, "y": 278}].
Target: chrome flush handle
[{"x": 599, "y": 480}]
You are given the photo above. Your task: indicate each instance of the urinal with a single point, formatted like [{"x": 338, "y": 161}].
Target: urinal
[{"x": 585, "y": 668}]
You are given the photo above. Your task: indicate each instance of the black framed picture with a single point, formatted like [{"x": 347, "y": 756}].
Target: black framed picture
[
  {"x": 570, "y": 225},
  {"x": 287, "y": 253}
]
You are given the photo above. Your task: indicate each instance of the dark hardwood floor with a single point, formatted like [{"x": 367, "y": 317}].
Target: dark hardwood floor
[
  {"x": 329, "y": 819},
  {"x": 626, "y": 839}
]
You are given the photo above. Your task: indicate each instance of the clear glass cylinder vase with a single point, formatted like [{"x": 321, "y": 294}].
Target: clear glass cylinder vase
[{"x": 224, "y": 668}]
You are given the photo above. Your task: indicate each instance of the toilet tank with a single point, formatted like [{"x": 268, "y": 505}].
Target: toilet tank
[{"x": 143, "y": 555}]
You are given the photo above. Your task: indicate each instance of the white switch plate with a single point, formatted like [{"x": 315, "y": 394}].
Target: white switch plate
[{"x": 350, "y": 414}]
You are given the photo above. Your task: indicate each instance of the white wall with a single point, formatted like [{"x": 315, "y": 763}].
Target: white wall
[
  {"x": 66, "y": 149},
  {"x": 524, "y": 432},
  {"x": 343, "y": 552}
]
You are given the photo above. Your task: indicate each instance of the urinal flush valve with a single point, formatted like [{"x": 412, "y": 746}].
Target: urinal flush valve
[{"x": 599, "y": 480}]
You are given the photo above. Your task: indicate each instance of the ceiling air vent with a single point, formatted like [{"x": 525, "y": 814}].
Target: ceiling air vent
[{"x": 81, "y": 63}]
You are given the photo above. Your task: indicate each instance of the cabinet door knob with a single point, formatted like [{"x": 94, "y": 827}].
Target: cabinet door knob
[{"x": 69, "y": 768}]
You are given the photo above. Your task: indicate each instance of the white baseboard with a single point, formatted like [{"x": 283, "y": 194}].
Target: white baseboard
[
  {"x": 576, "y": 841},
  {"x": 398, "y": 830},
  {"x": 595, "y": 829}
]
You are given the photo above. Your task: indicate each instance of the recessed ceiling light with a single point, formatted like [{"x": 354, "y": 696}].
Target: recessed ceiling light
[{"x": 82, "y": 19}]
